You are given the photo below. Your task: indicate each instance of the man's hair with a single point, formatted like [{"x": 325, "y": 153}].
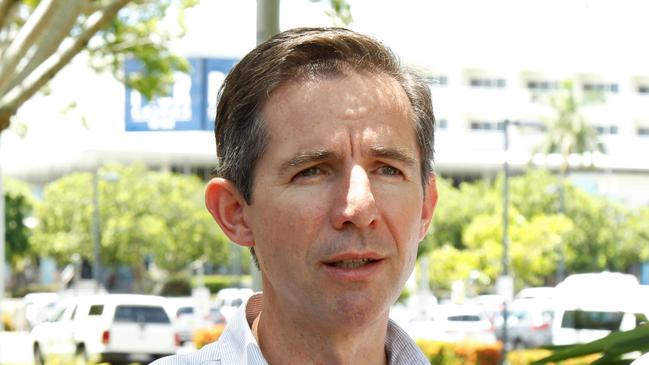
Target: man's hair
[{"x": 300, "y": 54}]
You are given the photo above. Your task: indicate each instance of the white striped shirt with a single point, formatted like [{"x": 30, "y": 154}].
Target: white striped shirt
[{"x": 237, "y": 345}]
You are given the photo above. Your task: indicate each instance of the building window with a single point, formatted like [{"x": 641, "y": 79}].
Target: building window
[
  {"x": 487, "y": 82},
  {"x": 439, "y": 80},
  {"x": 643, "y": 131},
  {"x": 542, "y": 85},
  {"x": 606, "y": 129},
  {"x": 441, "y": 124},
  {"x": 643, "y": 89},
  {"x": 486, "y": 126},
  {"x": 601, "y": 87}
]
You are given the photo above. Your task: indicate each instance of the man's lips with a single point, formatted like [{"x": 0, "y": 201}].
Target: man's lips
[
  {"x": 353, "y": 259},
  {"x": 353, "y": 267}
]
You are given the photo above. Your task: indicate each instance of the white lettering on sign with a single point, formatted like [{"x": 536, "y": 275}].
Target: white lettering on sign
[
  {"x": 163, "y": 112},
  {"x": 214, "y": 81}
]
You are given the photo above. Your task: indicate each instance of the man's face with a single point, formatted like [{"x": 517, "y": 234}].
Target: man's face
[{"x": 338, "y": 208}]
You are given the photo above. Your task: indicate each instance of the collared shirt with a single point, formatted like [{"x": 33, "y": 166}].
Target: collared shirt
[{"x": 237, "y": 345}]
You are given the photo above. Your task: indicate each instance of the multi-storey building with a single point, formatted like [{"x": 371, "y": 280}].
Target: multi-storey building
[{"x": 474, "y": 91}]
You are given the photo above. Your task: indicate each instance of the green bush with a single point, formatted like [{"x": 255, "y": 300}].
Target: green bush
[
  {"x": 7, "y": 322},
  {"x": 217, "y": 282},
  {"x": 177, "y": 286},
  {"x": 471, "y": 353},
  {"x": 19, "y": 292}
]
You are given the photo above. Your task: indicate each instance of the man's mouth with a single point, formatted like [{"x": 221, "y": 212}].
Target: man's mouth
[{"x": 351, "y": 264}]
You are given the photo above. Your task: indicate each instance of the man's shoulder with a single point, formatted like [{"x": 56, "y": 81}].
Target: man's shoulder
[{"x": 208, "y": 355}]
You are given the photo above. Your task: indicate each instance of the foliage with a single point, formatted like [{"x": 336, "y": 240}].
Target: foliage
[
  {"x": 608, "y": 350},
  {"x": 455, "y": 207},
  {"x": 340, "y": 13},
  {"x": 595, "y": 232},
  {"x": 7, "y": 322},
  {"x": 38, "y": 38},
  {"x": 18, "y": 206},
  {"x": 217, "y": 282},
  {"x": 177, "y": 286},
  {"x": 22, "y": 290},
  {"x": 141, "y": 213},
  {"x": 204, "y": 336},
  {"x": 442, "y": 353},
  {"x": 526, "y": 357}
]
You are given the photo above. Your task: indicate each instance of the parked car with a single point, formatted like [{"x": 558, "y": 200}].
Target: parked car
[
  {"x": 228, "y": 300},
  {"x": 529, "y": 323},
  {"x": 38, "y": 306},
  {"x": 188, "y": 318},
  {"x": 538, "y": 292},
  {"x": 453, "y": 323},
  {"x": 491, "y": 304},
  {"x": 115, "y": 328},
  {"x": 591, "y": 306}
]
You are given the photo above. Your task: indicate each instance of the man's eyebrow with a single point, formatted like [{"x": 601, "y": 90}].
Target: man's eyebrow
[
  {"x": 306, "y": 157},
  {"x": 398, "y": 154}
]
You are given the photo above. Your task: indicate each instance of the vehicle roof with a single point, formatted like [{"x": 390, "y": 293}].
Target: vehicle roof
[{"x": 137, "y": 299}]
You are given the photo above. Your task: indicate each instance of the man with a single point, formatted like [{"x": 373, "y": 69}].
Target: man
[{"x": 325, "y": 147}]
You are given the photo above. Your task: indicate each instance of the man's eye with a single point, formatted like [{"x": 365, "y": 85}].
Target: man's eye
[
  {"x": 311, "y": 171},
  {"x": 389, "y": 170}
]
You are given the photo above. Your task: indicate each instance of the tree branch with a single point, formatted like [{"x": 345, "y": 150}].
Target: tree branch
[
  {"x": 11, "y": 101},
  {"x": 28, "y": 34},
  {"x": 63, "y": 20},
  {"x": 5, "y": 10}
]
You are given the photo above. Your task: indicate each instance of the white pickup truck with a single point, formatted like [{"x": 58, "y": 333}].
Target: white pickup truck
[{"x": 115, "y": 328}]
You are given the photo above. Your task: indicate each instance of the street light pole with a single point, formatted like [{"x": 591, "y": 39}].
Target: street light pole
[
  {"x": 96, "y": 236},
  {"x": 505, "y": 257}
]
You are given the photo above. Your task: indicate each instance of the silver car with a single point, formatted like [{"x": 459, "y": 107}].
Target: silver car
[{"x": 529, "y": 324}]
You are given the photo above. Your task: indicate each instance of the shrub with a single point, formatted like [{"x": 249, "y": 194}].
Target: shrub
[
  {"x": 472, "y": 353},
  {"x": 526, "y": 357},
  {"x": 204, "y": 336},
  {"x": 177, "y": 286},
  {"x": 217, "y": 282},
  {"x": 442, "y": 353},
  {"x": 7, "y": 322}
]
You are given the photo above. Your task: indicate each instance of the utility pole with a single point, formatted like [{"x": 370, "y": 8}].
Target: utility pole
[
  {"x": 267, "y": 26},
  {"x": 96, "y": 235},
  {"x": 505, "y": 258},
  {"x": 267, "y": 19}
]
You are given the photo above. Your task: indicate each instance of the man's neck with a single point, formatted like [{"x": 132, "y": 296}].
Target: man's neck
[{"x": 283, "y": 339}]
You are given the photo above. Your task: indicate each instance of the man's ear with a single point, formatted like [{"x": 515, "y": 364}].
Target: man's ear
[
  {"x": 225, "y": 203},
  {"x": 428, "y": 208}
]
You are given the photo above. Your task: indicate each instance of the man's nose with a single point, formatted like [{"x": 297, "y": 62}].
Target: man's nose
[{"x": 356, "y": 205}]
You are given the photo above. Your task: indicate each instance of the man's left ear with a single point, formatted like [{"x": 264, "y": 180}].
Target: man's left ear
[{"x": 428, "y": 208}]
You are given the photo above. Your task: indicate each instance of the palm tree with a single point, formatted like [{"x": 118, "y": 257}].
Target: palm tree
[{"x": 567, "y": 131}]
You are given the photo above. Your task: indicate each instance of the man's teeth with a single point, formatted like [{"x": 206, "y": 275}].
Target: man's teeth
[{"x": 351, "y": 264}]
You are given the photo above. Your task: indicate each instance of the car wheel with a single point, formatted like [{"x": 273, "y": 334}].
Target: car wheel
[
  {"x": 80, "y": 356},
  {"x": 38, "y": 355}
]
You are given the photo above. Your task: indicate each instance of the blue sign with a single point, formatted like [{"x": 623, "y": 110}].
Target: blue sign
[{"x": 190, "y": 105}]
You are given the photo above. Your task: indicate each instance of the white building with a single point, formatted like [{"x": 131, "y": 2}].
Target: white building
[{"x": 486, "y": 59}]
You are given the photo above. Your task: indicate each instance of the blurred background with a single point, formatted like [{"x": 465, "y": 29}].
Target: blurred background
[{"x": 541, "y": 234}]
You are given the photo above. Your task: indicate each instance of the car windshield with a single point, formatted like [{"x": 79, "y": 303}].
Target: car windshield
[
  {"x": 141, "y": 314},
  {"x": 592, "y": 320},
  {"x": 464, "y": 318}
]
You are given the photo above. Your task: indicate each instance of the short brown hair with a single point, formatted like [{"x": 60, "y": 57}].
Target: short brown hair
[{"x": 297, "y": 54}]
